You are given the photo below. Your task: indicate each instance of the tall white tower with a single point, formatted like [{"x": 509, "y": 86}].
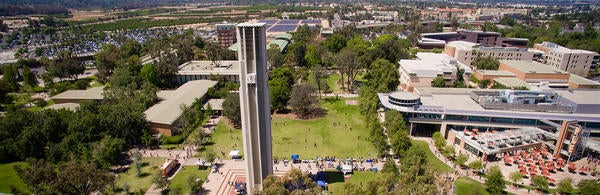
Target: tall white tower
[{"x": 254, "y": 103}]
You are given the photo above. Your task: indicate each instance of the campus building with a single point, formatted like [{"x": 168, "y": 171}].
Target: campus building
[
  {"x": 164, "y": 116},
  {"x": 579, "y": 62},
  {"x": 537, "y": 74},
  {"x": 254, "y": 103},
  {"x": 466, "y": 52},
  {"x": 204, "y": 70},
  {"x": 226, "y": 34},
  {"x": 422, "y": 71},
  {"x": 486, "y": 39},
  {"x": 76, "y": 96},
  {"x": 491, "y": 122}
]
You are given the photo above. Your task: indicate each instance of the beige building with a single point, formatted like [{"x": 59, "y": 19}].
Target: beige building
[
  {"x": 579, "y": 62},
  {"x": 421, "y": 71},
  {"x": 466, "y": 52}
]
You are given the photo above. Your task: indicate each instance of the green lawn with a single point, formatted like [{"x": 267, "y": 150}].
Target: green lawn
[
  {"x": 431, "y": 158},
  {"x": 9, "y": 177},
  {"x": 136, "y": 184},
  {"x": 292, "y": 136},
  {"x": 466, "y": 185},
  {"x": 224, "y": 138},
  {"x": 180, "y": 182},
  {"x": 340, "y": 133},
  {"x": 336, "y": 181},
  {"x": 332, "y": 81}
]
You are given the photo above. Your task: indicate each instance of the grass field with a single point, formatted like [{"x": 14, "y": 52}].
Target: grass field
[
  {"x": 435, "y": 162},
  {"x": 466, "y": 185},
  {"x": 340, "y": 133},
  {"x": 9, "y": 177},
  {"x": 332, "y": 81},
  {"x": 180, "y": 182},
  {"x": 336, "y": 180},
  {"x": 136, "y": 184}
]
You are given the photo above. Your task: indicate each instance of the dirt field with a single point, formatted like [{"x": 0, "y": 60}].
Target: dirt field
[{"x": 81, "y": 14}]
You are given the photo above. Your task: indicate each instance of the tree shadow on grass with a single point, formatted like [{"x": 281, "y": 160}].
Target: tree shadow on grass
[{"x": 334, "y": 177}]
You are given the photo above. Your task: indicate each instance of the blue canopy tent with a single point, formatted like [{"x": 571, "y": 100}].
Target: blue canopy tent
[
  {"x": 321, "y": 183},
  {"x": 295, "y": 158}
]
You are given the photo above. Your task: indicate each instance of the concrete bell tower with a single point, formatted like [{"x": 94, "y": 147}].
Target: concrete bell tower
[{"x": 254, "y": 103}]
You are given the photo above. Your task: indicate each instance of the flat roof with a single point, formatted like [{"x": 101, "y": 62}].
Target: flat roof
[
  {"x": 431, "y": 64},
  {"x": 531, "y": 67},
  {"x": 496, "y": 73},
  {"x": 94, "y": 93},
  {"x": 401, "y": 95},
  {"x": 251, "y": 24},
  {"x": 460, "y": 103},
  {"x": 68, "y": 106},
  {"x": 287, "y": 36},
  {"x": 280, "y": 43},
  {"x": 580, "y": 96},
  {"x": 215, "y": 104},
  {"x": 557, "y": 47},
  {"x": 582, "y": 81},
  {"x": 465, "y": 45},
  {"x": 205, "y": 67},
  {"x": 168, "y": 110},
  {"x": 511, "y": 82}
]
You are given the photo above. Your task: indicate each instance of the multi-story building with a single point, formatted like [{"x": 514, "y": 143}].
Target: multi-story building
[
  {"x": 226, "y": 34},
  {"x": 536, "y": 74},
  {"x": 487, "y": 39},
  {"x": 422, "y": 71},
  {"x": 579, "y": 62},
  {"x": 465, "y": 52},
  {"x": 489, "y": 123}
]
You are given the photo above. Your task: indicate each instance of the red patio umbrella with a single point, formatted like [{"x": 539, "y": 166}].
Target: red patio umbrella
[
  {"x": 582, "y": 169},
  {"x": 533, "y": 171},
  {"x": 543, "y": 168},
  {"x": 571, "y": 164},
  {"x": 551, "y": 180},
  {"x": 507, "y": 161},
  {"x": 560, "y": 160},
  {"x": 529, "y": 161},
  {"x": 521, "y": 163},
  {"x": 572, "y": 168},
  {"x": 522, "y": 168},
  {"x": 523, "y": 172}
]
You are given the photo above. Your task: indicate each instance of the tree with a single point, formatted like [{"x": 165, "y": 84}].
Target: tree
[
  {"x": 348, "y": 62},
  {"x": 476, "y": 165},
  {"x": 378, "y": 139},
  {"x": 438, "y": 82},
  {"x": 39, "y": 176},
  {"x": 295, "y": 54},
  {"x": 274, "y": 56},
  {"x": 390, "y": 167},
  {"x": 10, "y": 76},
  {"x": 231, "y": 108},
  {"x": 461, "y": 160},
  {"x": 484, "y": 83},
  {"x": 108, "y": 151},
  {"x": 165, "y": 69},
  {"x": 541, "y": 182},
  {"x": 390, "y": 47},
  {"x": 449, "y": 151},
  {"x": 65, "y": 65},
  {"x": 589, "y": 186},
  {"x": 106, "y": 61},
  {"x": 312, "y": 56},
  {"x": 303, "y": 101},
  {"x": 439, "y": 140},
  {"x": 383, "y": 76},
  {"x": 495, "y": 180},
  {"x": 148, "y": 72},
  {"x": 75, "y": 177},
  {"x": 274, "y": 185},
  {"x": 279, "y": 94},
  {"x": 28, "y": 77},
  {"x": 516, "y": 177},
  {"x": 417, "y": 177},
  {"x": 565, "y": 186},
  {"x": 485, "y": 63},
  {"x": 320, "y": 78},
  {"x": 160, "y": 181},
  {"x": 489, "y": 27},
  {"x": 214, "y": 53},
  {"x": 334, "y": 43},
  {"x": 396, "y": 128}
]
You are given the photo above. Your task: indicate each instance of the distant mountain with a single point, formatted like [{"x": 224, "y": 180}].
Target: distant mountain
[{"x": 130, "y": 4}]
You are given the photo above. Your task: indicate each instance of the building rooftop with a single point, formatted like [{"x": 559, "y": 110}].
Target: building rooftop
[
  {"x": 280, "y": 43},
  {"x": 68, "y": 106},
  {"x": 168, "y": 110},
  {"x": 286, "y": 36},
  {"x": 431, "y": 65},
  {"x": 94, "y": 93},
  {"x": 401, "y": 95},
  {"x": 511, "y": 82},
  {"x": 251, "y": 24},
  {"x": 464, "y": 45},
  {"x": 531, "y": 67},
  {"x": 496, "y": 73},
  {"x": 576, "y": 79},
  {"x": 215, "y": 104},
  {"x": 562, "y": 49},
  {"x": 226, "y": 67},
  {"x": 459, "y": 101}
]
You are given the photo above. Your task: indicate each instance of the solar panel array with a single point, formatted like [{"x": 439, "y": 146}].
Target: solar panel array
[
  {"x": 283, "y": 28},
  {"x": 268, "y": 21},
  {"x": 315, "y": 21},
  {"x": 288, "y": 22}
]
